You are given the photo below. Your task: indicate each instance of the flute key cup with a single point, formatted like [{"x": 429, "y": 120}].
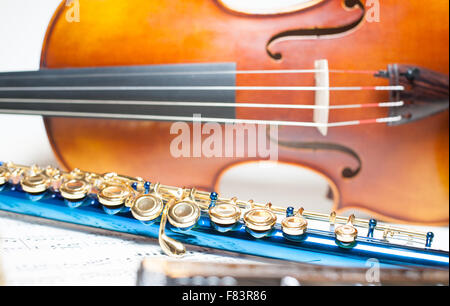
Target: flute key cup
[
  {"x": 35, "y": 183},
  {"x": 183, "y": 215},
  {"x": 224, "y": 216},
  {"x": 347, "y": 233},
  {"x": 260, "y": 221},
  {"x": 294, "y": 226},
  {"x": 147, "y": 207},
  {"x": 113, "y": 198},
  {"x": 74, "y": 190}
]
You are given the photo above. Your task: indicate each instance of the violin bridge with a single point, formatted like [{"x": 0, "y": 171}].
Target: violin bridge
[{"x": 322, "y": 97}]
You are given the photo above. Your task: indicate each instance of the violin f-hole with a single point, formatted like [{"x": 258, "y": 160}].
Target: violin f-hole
[
  {"x": 317, "y": 33},
  {"x": 347, "y": 172}
]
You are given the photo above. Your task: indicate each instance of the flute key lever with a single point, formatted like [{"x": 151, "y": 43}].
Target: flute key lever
[{"x": 170, "y": 246}]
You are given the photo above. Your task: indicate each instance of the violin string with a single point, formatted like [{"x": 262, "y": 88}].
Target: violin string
[
  {"x": 204, "y": 119},
  {"x": 122, "y": 74},
  {"x": 202, "y": 104},
  {"x": 201, "y": 88}
]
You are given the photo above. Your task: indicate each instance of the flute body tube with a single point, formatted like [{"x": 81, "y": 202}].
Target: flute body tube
[{"x": 179, "y": 215}]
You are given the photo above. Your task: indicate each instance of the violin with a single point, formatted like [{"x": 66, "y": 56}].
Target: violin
[{"x": 358, "y": 91}]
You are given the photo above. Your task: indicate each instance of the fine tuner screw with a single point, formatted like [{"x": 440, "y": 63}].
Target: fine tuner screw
[{"x": 146, "y": 203}]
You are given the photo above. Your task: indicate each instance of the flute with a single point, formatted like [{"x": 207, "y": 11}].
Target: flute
[
  {"x": 175, "y": 215},
  {"x": 162, "y": 271}
]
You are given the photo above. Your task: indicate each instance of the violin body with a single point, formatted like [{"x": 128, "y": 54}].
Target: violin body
[{"x": 400, "y": 172}]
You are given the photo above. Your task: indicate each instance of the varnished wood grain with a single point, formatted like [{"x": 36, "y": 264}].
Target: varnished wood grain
[{"x": 404, "y": 174}]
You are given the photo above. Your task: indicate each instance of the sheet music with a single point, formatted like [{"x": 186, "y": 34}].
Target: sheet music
[{"x": 36, "y": 251}]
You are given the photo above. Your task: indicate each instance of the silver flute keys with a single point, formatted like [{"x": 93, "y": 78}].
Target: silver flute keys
[{"x": 182, "y": 208}]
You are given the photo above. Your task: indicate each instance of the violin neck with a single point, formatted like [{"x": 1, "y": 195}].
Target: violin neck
[{"x": 25, "y": 92}]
